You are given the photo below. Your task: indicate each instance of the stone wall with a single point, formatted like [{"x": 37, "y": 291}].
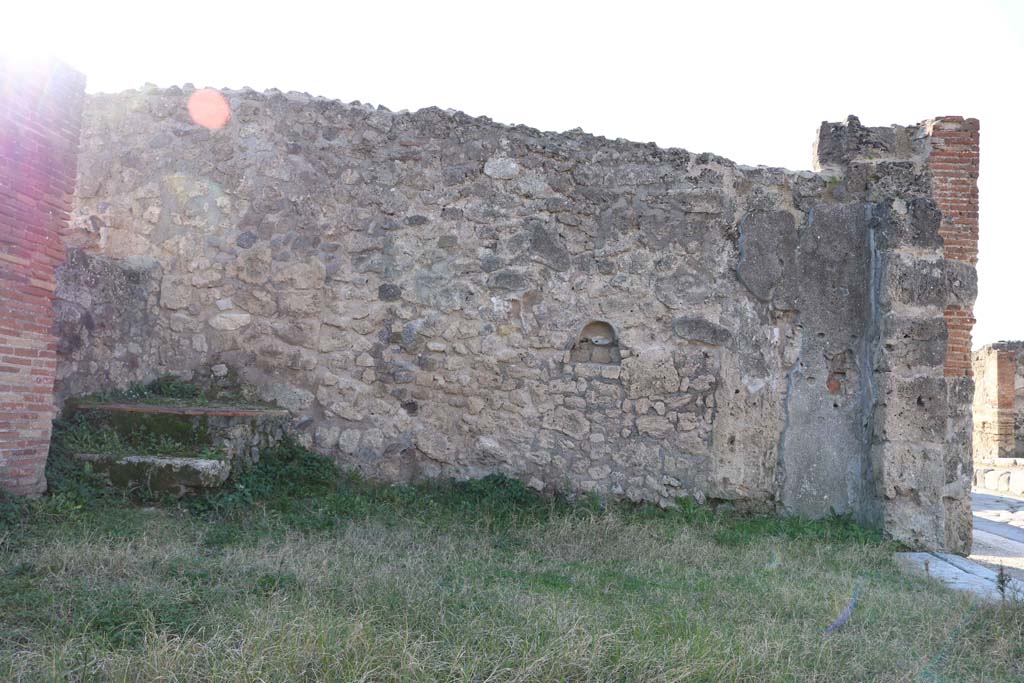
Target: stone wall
[
  {"x": 999, "y": 402},
  {"x": 927, "y": 287},
  {"x": 40, "y": 106},
  {"x": 433, "y": 294}
]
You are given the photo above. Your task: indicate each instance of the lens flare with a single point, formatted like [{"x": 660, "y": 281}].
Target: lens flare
[{"x": 209, "y": 109}]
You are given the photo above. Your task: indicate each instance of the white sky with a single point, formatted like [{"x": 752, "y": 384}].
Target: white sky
[{"x": 750, "y": 81}]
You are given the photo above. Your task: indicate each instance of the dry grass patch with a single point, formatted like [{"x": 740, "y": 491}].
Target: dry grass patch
[{"x": 476, "y": 582}]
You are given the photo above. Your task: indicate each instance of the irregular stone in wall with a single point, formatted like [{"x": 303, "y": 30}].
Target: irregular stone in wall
[
  {"x": 389, "y": 292},
  {"x": 254, "y": 267},
  {"x": 507, "y": 280},
  {"x": 230, "y": 321},
  {"x": 656, "y": 426},
  {"x": 701, "y": 330},
  {"x": 548, "y": 247},
  {"x": 299, "y": 302},
  {"x": 297, "y": 332},
  {"x": 569, "y": 422},
  {"x": 175, "y": 291},
  {"x": 308, "y": 275},
  {"x": 651, "y": 372},
  {"x": 502, "y": 168},
  {"x": 293, "y": 398},
  {"x": 434, "y": 445}
]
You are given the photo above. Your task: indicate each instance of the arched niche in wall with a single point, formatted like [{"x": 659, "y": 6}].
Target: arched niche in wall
[{"x": 596, "y": 343}]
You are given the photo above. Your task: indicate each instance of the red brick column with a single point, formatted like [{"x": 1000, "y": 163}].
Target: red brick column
[
  {"x": 40, "y": 112},
  {"x": 953, "y": 163}
]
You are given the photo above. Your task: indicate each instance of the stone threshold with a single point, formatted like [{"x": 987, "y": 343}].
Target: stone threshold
[
  {"x": 218, "y": 411},
  {"x": 960, "y": 573}
]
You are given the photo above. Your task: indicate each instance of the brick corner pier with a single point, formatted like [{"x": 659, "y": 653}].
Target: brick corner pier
[{"x": 40, "y": 113}]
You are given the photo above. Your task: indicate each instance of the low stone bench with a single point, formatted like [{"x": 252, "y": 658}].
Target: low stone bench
[{"x": 240, "y": 433}]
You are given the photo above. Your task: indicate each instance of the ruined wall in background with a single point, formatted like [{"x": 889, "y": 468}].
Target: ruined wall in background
[
  {"x": 434, "y": 294},
  {"x": 999, "y": 402},
  {"x": 40, "y": 105},
  {"x": 1018, "y": 406}
]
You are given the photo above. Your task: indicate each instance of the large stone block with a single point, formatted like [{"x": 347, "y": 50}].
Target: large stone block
[
  {"x": 840, "y": 143},
  {"x": 912, "y": 342},
  {"x": 911, "y": 469},
  {"x": 914, "y": 223},
  {"x": 926, "y": 282},
  {"x": 911, "y": 409},
  {"x": 768, "y": 241}
]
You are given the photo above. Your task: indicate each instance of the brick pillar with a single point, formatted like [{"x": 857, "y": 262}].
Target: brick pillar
[
  {"x": 40, "y": 112},
  {"x": 953, "y": 163}
]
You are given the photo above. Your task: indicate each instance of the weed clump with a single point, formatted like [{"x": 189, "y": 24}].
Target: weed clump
[{"x": 286, "y": 471}]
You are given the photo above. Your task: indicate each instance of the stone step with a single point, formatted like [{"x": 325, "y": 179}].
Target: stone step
[
  {"x": 174, "y": 476},
  {"x": 189, "y": 410},
  {"x": 240, "y": 432}
]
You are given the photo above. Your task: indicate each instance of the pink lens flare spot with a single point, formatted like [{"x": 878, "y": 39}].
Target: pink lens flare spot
[{"x": 209, "y": 108}]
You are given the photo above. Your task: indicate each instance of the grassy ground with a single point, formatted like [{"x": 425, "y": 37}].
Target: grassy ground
[{"x": 296, "y": 574}]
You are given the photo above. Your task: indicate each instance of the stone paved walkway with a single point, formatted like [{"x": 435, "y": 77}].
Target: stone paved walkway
[
  {"x": 998, "y": 542},
  {"x": 999, "y": 532}
]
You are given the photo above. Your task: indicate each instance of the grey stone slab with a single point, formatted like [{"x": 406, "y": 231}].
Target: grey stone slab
[
  {"x": 968, "y": 566},
  {"x": 963, "y": 575}
]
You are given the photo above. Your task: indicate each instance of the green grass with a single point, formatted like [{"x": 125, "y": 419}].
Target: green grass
[{"x": 297, "y": 573}]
